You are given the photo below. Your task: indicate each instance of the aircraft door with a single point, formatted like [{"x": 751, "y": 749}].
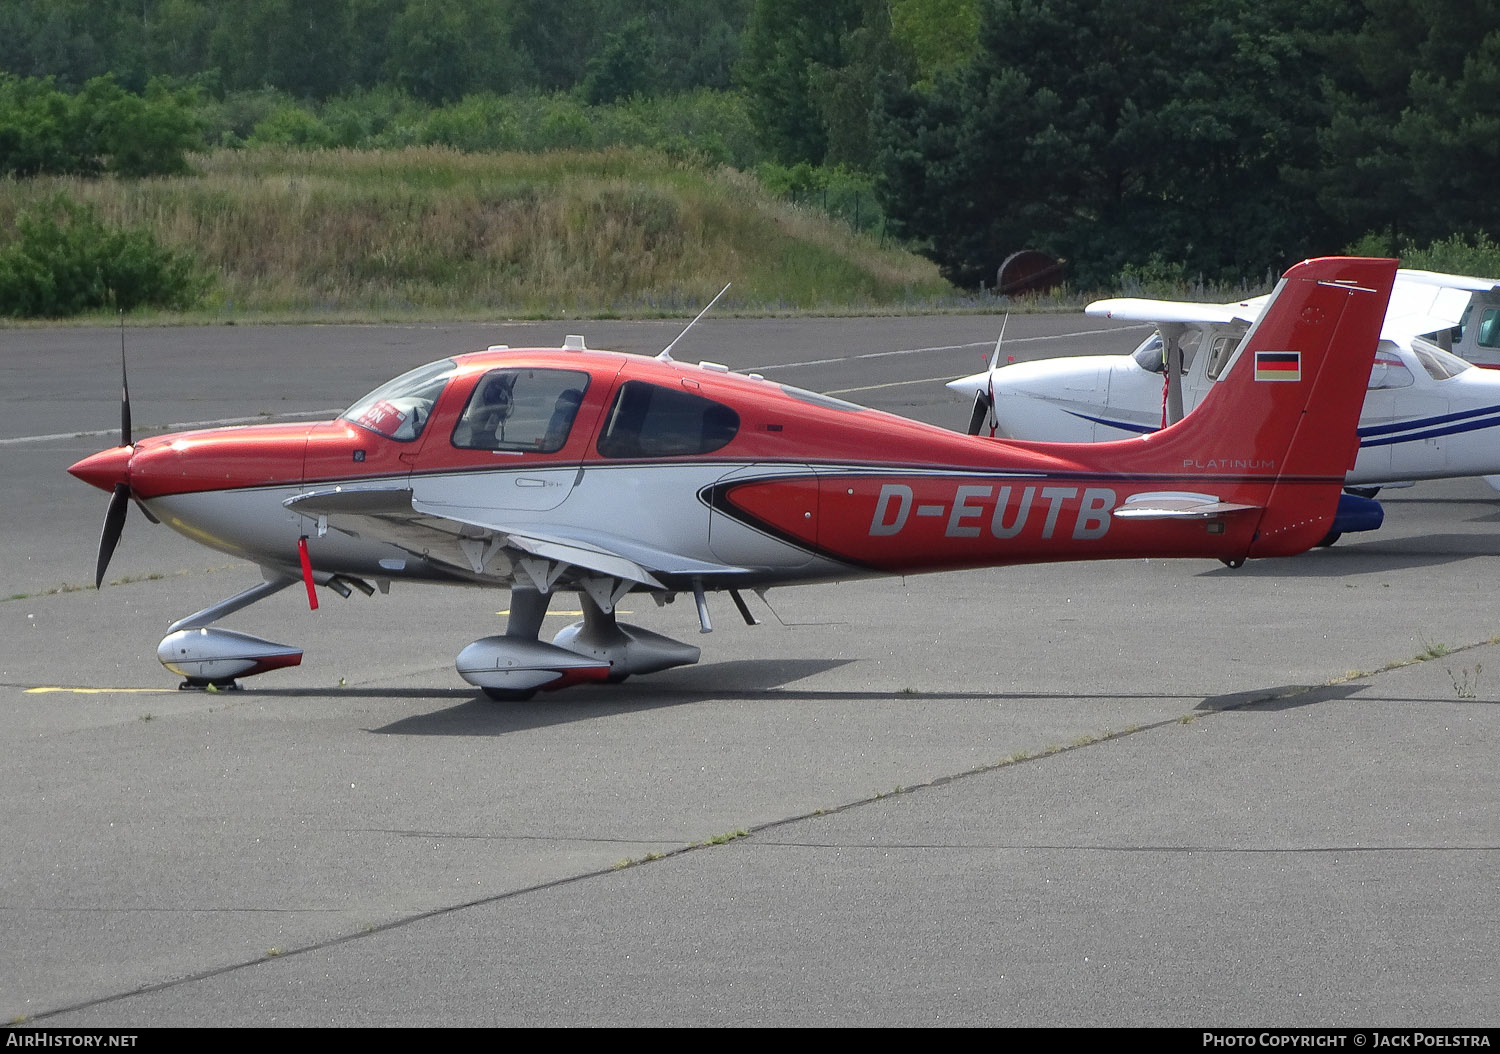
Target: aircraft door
[
  {"x": 1088, "y": 390},
  {"x": 1421, "y": 442},
  {"x": 511, "y": 440},
  {"x": 1390, "y": 386},
  {"x": 1205, "y": 354}
]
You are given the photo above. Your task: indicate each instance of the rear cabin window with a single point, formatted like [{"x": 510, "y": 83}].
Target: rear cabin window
[
  {"x": 650, "y": 420},
  {"x": 1489, "y": 328},
  {"x": 1439, "y": 364},
  {"x": 521, "y": 410},
  {"x": 1220, "y": 352}
]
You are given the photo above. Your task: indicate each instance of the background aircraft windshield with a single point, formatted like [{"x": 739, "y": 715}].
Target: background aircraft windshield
[
  {"x": 1151, "y": 354},
  {"x": 1438, "y": 363},
  {"x": 399, "y": 409}
]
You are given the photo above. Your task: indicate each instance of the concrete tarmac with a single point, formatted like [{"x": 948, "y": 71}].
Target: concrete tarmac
[{"x": 1125, "y": 793}]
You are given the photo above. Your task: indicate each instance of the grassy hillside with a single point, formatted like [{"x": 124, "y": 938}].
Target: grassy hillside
[{"x": 432, "y": 232}]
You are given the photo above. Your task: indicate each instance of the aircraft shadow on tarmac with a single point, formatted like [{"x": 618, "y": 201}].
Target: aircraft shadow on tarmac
[
  {"x": 743, "y": 679},
  {"x": 1275, "y": 700},
  {"x": 738, "y": 679},
  {"x": 1370, "y": 557}
]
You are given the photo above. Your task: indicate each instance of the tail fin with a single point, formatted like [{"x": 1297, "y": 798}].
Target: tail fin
[{"x": 1278, "y": 430}]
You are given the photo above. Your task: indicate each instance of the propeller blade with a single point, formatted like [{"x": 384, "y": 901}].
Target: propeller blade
[
  {"x": 981, "y": 410},
  {"x": 995, "y": 358},
  {"x": 124, "y": 399},
  {"x": 114, "y": 523}
]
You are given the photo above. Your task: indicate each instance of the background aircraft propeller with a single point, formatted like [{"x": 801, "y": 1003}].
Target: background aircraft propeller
[
  {"x": 984, "y": 402},
  {"x": 981, "y": 411}
]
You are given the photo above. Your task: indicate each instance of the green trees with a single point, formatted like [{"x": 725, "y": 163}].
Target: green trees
[
  {"x": 1108, "y": 133},
  {"x": 786, "y": 45},
  {"x": 1413, "y": 138},
  {"x": 438, "y": 50},
  {"x": 1223, "y": 137},
  {"x": 102, "y": 128},
  {"x": 1220, "y": 137}
]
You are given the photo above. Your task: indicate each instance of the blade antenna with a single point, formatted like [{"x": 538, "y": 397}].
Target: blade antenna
[
  {"x": 124, "y": 390},
  {"x": 666, "y": 353}
]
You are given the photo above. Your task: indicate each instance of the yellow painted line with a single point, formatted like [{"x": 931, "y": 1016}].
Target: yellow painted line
[
  {"x": 570, "y": 614},
  {"x": 47, "y": 689}
]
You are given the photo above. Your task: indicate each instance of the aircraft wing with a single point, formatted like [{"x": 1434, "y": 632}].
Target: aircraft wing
[
  {"x": 1426, "y": 301},
  {"x": 1176, "y": 505},
  {"x": 1421, "y": 302},
  {"x": 479, "y": 544}
]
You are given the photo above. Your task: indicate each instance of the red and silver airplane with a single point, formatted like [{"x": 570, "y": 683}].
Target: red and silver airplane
[{"x": 571, "y": 470}]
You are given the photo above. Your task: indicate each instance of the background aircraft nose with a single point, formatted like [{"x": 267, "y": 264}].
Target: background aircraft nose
[
  {"x": 967, "y": 386},
  {"x": 106, "y": 468}
]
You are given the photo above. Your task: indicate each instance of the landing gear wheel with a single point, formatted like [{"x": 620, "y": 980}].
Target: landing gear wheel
[
  {"x": 1329, "y": 539},
  {"x": 1236, "y": 563},
  {"x": 1362, "y": 492},
  {"x": 203, "y": 684},
  {"x": 509, "y": 695},
  {"x": 616, "y": 678}
]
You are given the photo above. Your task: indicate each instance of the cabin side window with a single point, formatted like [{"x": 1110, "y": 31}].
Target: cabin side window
[
  {"x": 1388, "y": 371},
  {"x": 1219, "y": 353},
  {"x": 1489, "y": 328},
  {"x": 521, "y": 410},
  {"x": 1439, "y": 364},
  {"x": 651, "y": 420}
]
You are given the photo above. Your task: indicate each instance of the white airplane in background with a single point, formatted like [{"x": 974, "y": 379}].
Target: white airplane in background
[
  {"x": 1476, "y": 338},
  {"x": 1428, "y": 414}
]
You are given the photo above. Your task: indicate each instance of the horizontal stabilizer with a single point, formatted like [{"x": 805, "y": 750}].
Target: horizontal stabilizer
[{"x": 1177, "y": 505}]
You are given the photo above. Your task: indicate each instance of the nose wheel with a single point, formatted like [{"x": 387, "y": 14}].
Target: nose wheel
[
  {"x": 508, "y": 695},
  {"x": 201, "y": 684}
]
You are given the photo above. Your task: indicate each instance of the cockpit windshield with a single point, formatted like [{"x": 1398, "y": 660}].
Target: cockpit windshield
[
  {"x": 399, "y": 409},
  {"x": 1150, "y": 355}
]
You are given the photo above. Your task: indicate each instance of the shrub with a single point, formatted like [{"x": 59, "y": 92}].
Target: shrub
[
  {"x": 291, "y": 125},
  {"x": 841, "y": 192},
  {"x": 1456, "y": 255},
  {"x": 65, "y": 261},
  {"x": 103, "y": 128}
]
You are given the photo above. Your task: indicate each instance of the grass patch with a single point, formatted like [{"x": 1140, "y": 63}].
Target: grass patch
[
  {"x": 728, "y": 836},
  {"x": 430, "y": 231},
  {"x": 1431, "y": 650}
]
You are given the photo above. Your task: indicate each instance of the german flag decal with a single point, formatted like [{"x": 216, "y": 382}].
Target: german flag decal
[{"x": 1278, "y": 365}]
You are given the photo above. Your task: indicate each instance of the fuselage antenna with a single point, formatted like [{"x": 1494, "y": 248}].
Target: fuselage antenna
[{"x": 666, "y": 353}]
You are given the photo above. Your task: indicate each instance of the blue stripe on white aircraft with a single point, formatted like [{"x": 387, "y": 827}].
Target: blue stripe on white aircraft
[{"x": 1428, "y": 414}]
